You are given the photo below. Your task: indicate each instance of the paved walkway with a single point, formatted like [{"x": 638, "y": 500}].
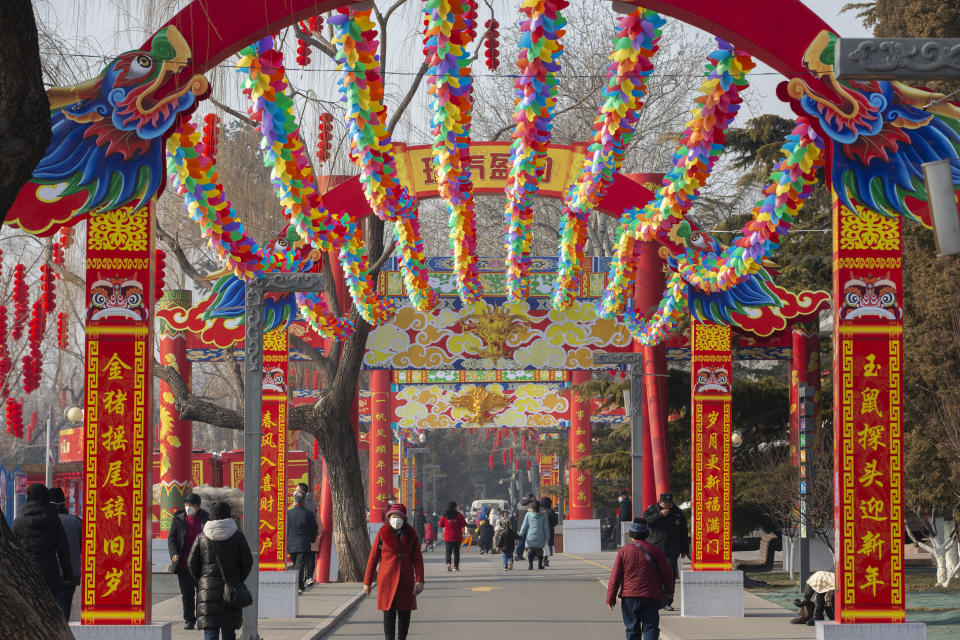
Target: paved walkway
[
  {"x": 565, "y": 601},
  {"x": 321, "y": 607}
]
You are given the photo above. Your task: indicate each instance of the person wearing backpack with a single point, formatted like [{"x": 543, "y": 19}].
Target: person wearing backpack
[
  {"x": 642, "y": 578},
  {"x": 220, "y": 556}
]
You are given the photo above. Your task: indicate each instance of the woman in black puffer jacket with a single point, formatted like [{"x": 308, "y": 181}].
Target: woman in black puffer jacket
[{"x": 220, "y": 533}]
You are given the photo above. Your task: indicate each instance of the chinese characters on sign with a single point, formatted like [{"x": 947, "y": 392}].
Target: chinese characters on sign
[
  {"x": 710, "y": 441},
  {"x": 580, "y": 446},
  {"x": 273, "y": 453},
  {"x": 116, "y": 577},
  {"x": 868, "y": 445},
  {"x": 381, "y": 443}
]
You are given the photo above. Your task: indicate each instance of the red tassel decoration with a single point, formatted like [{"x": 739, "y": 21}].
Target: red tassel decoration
[
  {"x": 32, "y": 427},
  {"x": 316, "y": 449},
  {"x": 491, "y": 455},
  {"x": 504, "y": 459}
]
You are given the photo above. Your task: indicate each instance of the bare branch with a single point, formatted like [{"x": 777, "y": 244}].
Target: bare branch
[
  {"x": 396, "y": 5},
  {"x": 411, "y": 91},
  {"x": 67, "y": 275},
  {"x": 375, "y": 267},
  {"x": 236, "y": 114},
  {"x": 317, "y": 42},
  {"x": 185, "y": 265}
]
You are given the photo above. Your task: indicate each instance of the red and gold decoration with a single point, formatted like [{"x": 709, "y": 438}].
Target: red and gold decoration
[
  {"x": 868, "y": 423},
  {"x": 580, "y": 445},
  {"x": 273, "y": 453},
  {"x": 381, "y": 443},
  {"x": 711, "y": 358},
  {"x": 119, "y": 383},
  {"x": 174, "y": 436},
  {"x": 805, "y": 370}
]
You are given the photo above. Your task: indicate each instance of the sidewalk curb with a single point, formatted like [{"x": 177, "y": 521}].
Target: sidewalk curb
[{"x": 341, "y": 612}]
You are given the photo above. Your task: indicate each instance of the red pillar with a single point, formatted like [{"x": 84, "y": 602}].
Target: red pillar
[
  {"x": 322, "y": 572},
  {"x": 647, "y": 291},
  {"x": 175, "y": 436},
  {"x": 580, "y": 445},
  {"x": 381, "y": 444}
]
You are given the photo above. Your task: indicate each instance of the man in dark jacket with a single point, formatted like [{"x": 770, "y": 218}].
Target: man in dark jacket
[
  {"x": 419, "y": 522},
  {"x": 73, "y": 529},
  {"x": 221, "y": 553},
  {"x": 184, "y": 529},
  {"x": 310, "y": 505},
  {"x": 668, "y": 530},
  {"x": 552, "y": 521},
  {"x": 301, "y": 532},
  {"x": 40, "y": 533},
  {"x": 642, "y": 579}
]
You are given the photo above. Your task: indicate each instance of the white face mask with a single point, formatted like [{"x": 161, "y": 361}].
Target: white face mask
[
  {"x": 396, "y": 522},
  {"x": 620, "y": 499},
  {"x": 191, "y": 511}
]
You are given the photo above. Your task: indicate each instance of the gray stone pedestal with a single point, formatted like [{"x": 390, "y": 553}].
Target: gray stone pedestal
[
  {"x": 155, "y": 631},
  {"x": 581, "y": 536},
  {"x": 829, "y": 630},
  {"x": 711, "y": 594},
  {"x": 372, "y": 529},
  {"x": 278, "y": 594}
]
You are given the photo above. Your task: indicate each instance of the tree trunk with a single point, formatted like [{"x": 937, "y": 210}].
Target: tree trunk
[
  {"x": 24, "y": 108},
  {"x": 25, "y": 600}
]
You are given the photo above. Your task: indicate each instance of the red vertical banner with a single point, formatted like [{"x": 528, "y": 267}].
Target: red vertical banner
[
  {"x": 711, "y": 369},
  {"x": 273, "y": 453},
  {"x": 118, "y": 417},
  {"x": 380, "y": 444},
  {"x": 175, "y": 436},
  {"x": 580, "y": 445},
  {"x": 804, "y": 369},
  {"x": 868, "y": 427}
]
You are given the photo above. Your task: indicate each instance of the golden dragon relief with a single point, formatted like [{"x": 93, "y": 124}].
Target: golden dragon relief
[
  {"x": 496, "y": 329},
  {"x": 481, "y": 404}
]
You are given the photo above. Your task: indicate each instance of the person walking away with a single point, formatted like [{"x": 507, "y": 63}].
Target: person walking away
[
  {"x": 535, "y": 532},
  {"x": 494, "y": 517},
  {"x": 668, "y": 530},
  {"x": 73, "y": 529},
  {"x": 220, "y": 554},
  {"x": 485, "y": 536},
  {"x": 430, "y": 536},
  {"x": 552, "y": 521},
  {"x": 642, "y": 579},
  {"x": 419, "y": 523},
  {"x": 301, "y": 533},
  {"x": 186, "y": 525},
  {"x": 504, "y": 541},
  {"x": 310, "y": 505},
  {"x": 38, "y": 529},
  {"x": 397, "y": 565},
  {"x": 452, "y": 522}
]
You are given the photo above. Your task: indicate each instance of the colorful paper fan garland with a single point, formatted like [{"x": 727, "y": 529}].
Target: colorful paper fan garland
[
  {"x": 791, "y": 182},
  {"x": 284, "y": 152},
  {"x": 664, "y": 321},
  {"x": 535, "y": 95},
  {"x": 701, "y": 145},
  {"x": 355, "y": 265},
  {"x": 635, "y": 43},
  {"x": 447, "y": 36},
  {"x": 194, "y": 176},
  {"x": 361, "y": 86}
]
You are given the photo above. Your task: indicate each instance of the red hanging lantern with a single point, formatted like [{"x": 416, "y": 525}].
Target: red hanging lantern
[
  {"x": 56, "y": 254},
  {"x": 491, "y": 456},
  {"x": 211, "y": 134},
  {"x": 5, "y": 365},
  {"x": 61, "y": 329},
  {"x": 312, "y": 26},
  {"x": 325, "y": 141},
  {"x": 66, "y": 237},
  {"x": 491, "y": 44},
  {"x": 504, "y": 459},
  {"x": 511, "y": 454},
  {"x": 303, "y": 53},
  {"x": 316, "y": 449},
  {"x": 14, "y": 415},
  {"x": 47, "y": 288},
  {"x": 21, "y": 301},
  {"x": 32, "y": 427},
  {"x": 33, "y": 362}
]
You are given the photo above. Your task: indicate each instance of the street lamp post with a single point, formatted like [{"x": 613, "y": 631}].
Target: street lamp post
[
  {"x": 427, "y": 468},
  {"x": 435, "y": 476}
]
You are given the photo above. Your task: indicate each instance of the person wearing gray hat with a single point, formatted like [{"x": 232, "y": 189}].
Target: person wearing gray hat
[
  {"x": 642, "y": 579},
  {"x": 184, "y": 529},
  {"x": 668, "y": 530}
]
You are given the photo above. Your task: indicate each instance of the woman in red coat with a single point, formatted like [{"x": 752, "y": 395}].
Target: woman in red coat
[
  {"x": 396, "y": 550},
  {"x": 452, "y": 522}
]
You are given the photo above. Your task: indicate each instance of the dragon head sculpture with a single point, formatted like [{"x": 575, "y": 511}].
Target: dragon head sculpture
[
  {"x": 882, "y": 132},
  {"x": 107, "y": 145}
]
